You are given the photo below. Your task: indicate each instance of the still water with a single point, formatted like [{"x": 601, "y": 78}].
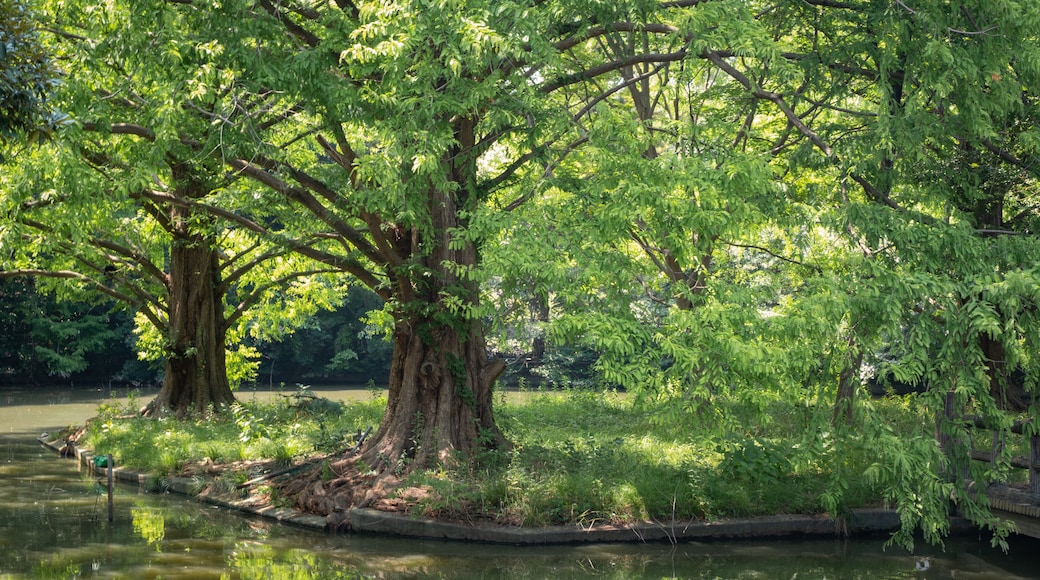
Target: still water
[{"x": 53, "y": 524}]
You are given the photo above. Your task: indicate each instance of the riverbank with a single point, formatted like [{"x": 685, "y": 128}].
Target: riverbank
[
  {"x": 580, "y": 461},
  {"x": 52, "y": 524},
  {"x": 397, "y": 523}
]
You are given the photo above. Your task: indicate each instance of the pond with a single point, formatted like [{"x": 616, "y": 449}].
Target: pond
[{"x": 53, "y": 524}]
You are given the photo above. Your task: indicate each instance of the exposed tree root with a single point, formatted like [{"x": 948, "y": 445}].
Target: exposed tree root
[{"x": 339, "y": 485}]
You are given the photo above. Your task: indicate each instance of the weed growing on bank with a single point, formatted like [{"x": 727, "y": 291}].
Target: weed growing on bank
[{"x": 578, "y": 456}]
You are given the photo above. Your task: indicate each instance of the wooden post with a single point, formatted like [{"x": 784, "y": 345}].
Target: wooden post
[
  {"x": 111, "y": 476},
  {"x": 1034, "y": 465}
]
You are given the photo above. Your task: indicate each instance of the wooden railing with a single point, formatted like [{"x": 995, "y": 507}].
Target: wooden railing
[{"x": 1030, "y": 462}]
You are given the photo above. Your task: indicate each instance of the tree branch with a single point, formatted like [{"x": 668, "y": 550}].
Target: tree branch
[
  {"x": 134, "y": 257},
  {"x": 308, "y": 201},
  {"x": 143, "y": 297},
  {"x": 122, "y": 129},
  {"x": 596, "y": 31},
  {"x": 775, "y": 98},
  {"x": 70, "y": 275},
  {"x": 874, "y": 192},
  {"x": 812, "y": 267},
  {"x": 342, "y": 263},
  {"x": 649, "y": 250},
  {"x": 1006, "y": 155},
  {"x": 832, "y": 4},
  {"x": 256, "y": 295},
  {"x": 231, "y": 279},
  {"x": 612, "y": 66},
  {"x": 296, "y": 30}
]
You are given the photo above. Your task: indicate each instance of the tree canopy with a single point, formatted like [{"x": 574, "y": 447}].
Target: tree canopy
[{"x": 105, "y": 210}]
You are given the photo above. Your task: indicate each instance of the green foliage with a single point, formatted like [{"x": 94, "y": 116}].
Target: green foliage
[
  {"x": 758, "y": 462},
  {"x": 108, "y": 207},
  {"x": 726, "y": 208},
  {"x": 335, "y": 345},
  {"x": 790, "y": 219},
  {"x": 282, "y": 430},
  {"x": 42, "y": 339},
  {"x": 27, "y": 75},
  {"x": 598, "y": 458}
]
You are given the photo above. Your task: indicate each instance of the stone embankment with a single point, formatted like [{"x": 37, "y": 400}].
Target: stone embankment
[{"x": 367, "y": 520}]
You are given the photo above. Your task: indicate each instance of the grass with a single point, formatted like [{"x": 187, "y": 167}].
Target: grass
[
  {"x": 586, "y": 457},
  {"x": 282, "y": 430},
  {"x": 579, "y": 456}
]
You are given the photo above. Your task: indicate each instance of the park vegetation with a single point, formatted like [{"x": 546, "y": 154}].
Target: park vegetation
[
  {"x": 724, "y": 205},
  {"x": 579, "y": 456}
]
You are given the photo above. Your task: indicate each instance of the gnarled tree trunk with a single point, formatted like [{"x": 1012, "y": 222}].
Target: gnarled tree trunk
[
  {"x": 195, "y": 377},
  {"x": 439, "y": 402},
  {"x": 440, "y": 386}
]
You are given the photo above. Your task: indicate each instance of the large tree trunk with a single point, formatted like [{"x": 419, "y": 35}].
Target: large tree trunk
[
  {"x": 439, "y": 405},
  {"x": 439, "y": 402},
  {"x": 195, "y": 377}
]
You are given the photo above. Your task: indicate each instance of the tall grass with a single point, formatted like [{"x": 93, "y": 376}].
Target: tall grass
[
  {"x": 587, "y": 457},
  {"x": 578, "y": 456},
  {"x": 285, "y": 429}
]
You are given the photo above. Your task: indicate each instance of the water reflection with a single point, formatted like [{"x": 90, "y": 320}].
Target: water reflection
[{"x": 53, "y": 524}]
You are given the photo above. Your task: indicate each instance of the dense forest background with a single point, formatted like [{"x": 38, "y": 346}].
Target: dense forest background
[
  {"x": 44, "y": 340},
  {"x": 47, "y": 341}
]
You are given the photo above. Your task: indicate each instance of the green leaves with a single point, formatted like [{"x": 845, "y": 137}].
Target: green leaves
[{"x": 27, "y": 76}]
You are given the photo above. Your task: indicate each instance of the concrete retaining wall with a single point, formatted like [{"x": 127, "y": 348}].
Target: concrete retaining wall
[{"x": 364, "y": 520}]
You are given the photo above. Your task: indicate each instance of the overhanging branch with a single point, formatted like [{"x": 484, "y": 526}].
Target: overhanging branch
[
  {"x": 70, "y": 275},
  {"x": 812, "y": 267},
  {"x": 257, "y": 293},
  {"x": 342, "y": 263},
  {"x": 613, "y": 65}
]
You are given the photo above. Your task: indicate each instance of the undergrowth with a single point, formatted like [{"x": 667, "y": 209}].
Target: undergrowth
[
  {"x": 578, "y": 456},
  {"x": 283, "y": 430},
  {"x": 586, "y": 457}
]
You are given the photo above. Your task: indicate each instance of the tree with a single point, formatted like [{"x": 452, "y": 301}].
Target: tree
[
  {"x": 903, "y": 137},
  {"x": 769, "y": 226},
  {"x": 419, "y": 125},
  {"x": 106, "y": 209},
  {"x": 431, "y": 123}
]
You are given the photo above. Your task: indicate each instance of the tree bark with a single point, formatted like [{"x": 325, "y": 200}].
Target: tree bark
[
  {"x": 439, "y": 408},
  {"x": 195, "y": 379},
  {"x": 439, "y": 402},
  {"x": 848, "y": 385}
]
